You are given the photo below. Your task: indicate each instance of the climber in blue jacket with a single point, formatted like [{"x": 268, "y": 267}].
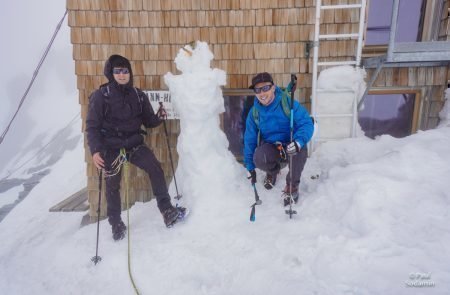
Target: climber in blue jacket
[{"x": 267, "y": 139}]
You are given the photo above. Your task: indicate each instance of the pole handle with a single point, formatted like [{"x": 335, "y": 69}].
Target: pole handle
[{"x": 293, "y": 84}]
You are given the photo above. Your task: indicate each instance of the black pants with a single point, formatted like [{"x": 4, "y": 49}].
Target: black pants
[
  {"x": 267, "y": 158},
  {"x": 145, "y": 159}
]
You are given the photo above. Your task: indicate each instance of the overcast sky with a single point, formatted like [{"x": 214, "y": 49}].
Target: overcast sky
[{"x": 26, "y": 28}]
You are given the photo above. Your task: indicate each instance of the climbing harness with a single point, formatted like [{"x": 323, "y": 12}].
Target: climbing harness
[{"x": 281, "y": 150}]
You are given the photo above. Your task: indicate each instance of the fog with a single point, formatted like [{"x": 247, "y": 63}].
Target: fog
[{"x": 26, "y": 28}]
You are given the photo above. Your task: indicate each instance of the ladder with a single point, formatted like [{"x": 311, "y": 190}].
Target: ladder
[{"x": 317, "y": 115}]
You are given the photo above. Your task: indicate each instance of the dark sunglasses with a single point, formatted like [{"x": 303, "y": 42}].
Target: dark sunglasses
[
  {"x": 265, "y": 88},
  {"x": 118, "y": 71}
]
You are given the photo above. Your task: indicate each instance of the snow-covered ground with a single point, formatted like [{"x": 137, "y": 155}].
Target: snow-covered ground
[{"x": 374, "y": 220}]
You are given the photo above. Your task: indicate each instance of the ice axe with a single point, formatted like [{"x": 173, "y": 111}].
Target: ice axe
[{"x": 257, "y": 202}]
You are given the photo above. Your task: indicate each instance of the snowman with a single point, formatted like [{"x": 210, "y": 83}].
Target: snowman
[{"x": 207, "y": 170}]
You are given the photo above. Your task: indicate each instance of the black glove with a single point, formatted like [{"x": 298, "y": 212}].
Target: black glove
[
  {"x": 252, "y": 176},
  {"x": 293, "y": 148}
]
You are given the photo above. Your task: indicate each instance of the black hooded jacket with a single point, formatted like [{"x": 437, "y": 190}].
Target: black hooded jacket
[{"x": 117, "y": 112}]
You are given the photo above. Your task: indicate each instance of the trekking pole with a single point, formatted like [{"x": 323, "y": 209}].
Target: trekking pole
[
  {"x": 96, "y": 259},
  {"x": 178, "y": 196},
  {"x": 257, "y": 202},
  {"x": 293, "y": 87}
]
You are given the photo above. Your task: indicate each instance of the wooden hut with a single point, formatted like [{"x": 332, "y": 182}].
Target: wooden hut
[{"x": 246, "y": 37}]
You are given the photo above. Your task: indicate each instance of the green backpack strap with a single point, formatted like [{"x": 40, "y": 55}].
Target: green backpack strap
[
  {"x": 285, "y": 103},
  {"x": 255, "y": 115}
]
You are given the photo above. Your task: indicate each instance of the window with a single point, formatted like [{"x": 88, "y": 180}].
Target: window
[
  {"x": 237, "y": 104},
  {"x": 379, "y": 21},
  {"x": 393, "y": 113}
]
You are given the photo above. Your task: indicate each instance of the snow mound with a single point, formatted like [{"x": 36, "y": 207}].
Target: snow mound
[{"x": 342, "y": 77}]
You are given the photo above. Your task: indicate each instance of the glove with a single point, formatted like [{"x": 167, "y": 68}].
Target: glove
[
  {"x": 252, "y": 176},
  {"x": 293, "y": 148}
]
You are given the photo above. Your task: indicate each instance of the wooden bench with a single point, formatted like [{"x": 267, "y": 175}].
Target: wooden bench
[{"x": 77, "y": 202}]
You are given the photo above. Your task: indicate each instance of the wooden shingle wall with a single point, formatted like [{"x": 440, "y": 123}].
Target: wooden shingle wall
[
  {"x": 435, "y": 94},
  {"x": 246, "y": 37},
  {"x": 446, "y": 26},
  {"x": 444, "y": 23},
  {"x": 430, "y": 81},
  {"x": 446, "y": 17}
]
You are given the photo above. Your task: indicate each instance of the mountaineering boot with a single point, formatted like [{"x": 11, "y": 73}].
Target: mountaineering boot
[
  {"x": 174, "y": 214},
  {"x": 270, "y": 180},
  {"x": 287, "y": 195},
  {"x": 118, "y": 230}
]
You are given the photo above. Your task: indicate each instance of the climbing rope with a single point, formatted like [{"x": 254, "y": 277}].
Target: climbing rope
[
  {"x": 116, "y": 165},
  {"x": 125, "y": 164},
  {"x": 36, "y": 71}
]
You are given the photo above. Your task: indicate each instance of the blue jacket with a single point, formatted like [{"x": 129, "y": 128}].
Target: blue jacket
[{"x": 275, "y": 126}]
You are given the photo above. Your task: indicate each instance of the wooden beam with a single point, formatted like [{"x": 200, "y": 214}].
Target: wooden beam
[{"x": 75, "y": 203}]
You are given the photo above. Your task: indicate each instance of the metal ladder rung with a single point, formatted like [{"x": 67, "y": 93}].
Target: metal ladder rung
[
  {"x": 336, "y": 63},
  {"x": 341, "y": 6},
  {"x": 333, "y": 115},
  {"x": 339, "y": 36}
]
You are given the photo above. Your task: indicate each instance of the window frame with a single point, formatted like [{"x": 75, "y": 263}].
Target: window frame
[
  {"x": 234, "y": 92},
  {"x": 417, "y": 101},
  {"x": 237, "y": 92},
  {"x": 380, "y": 49}
]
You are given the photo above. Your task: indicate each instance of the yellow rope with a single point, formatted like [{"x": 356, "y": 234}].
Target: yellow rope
[{"x": 123, "y": 153}]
